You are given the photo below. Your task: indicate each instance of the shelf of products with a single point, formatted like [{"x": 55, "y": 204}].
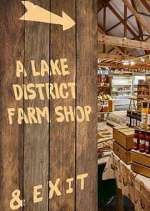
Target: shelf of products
[
  {"x": 104, "y": 103},
  {"x": 103, "y": 84},
  {"x": 104, "y": 100},
  {"x": 143, "y": 92},
  {"x": 121, "y": 91},
  {"x": 123, "y": 88}
]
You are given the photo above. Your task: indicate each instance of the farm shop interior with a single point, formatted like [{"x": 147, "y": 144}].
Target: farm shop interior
[{"x": 123, "y": 100}]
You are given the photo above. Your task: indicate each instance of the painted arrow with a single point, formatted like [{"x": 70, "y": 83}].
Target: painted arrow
[{"x": 38, "y": 14}]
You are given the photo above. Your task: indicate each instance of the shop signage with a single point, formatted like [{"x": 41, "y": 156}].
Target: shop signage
[
  {"x": 38, "y": 14},
  {"x": 48, "y": 106}
]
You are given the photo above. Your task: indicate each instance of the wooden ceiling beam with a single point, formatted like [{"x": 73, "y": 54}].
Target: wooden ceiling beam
[
  {"x": 117, "y": 24},
  {"x": 121, "y": 66},
  {"x": 147, "y": 38},
  {"x": 146, "y": 5},
  {"x": 138, "y": 16},
  {"x": 102, "y": 31},
  {"x": 138, "y": 24},
  {"x": 101, "y": 4},
  {"x": 122, "y": 20},
  {"x": 104, "y": 26},
  {"x": 122, "y": 42},
  {"x": 125, "y": 20},
  {"x": 113, "y": 56}
]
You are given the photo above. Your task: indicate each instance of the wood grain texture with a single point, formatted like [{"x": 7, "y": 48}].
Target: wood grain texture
[
  {"x": 86, "y": 156},
  {"x": 32, "y": 155},
  {"x": 140, "y": 169},
  {"x": 11, "y": 136},
  {"x": 140, "y": 158},
  {"x": 62, "y": 135},
  {"x": 36, "y": 137}
]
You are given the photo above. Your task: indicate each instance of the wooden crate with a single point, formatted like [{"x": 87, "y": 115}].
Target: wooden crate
[
  {"x": 141, "y": 169},
  {"x": 140, "y": 163},
  {"x": 122, "y": 153},
  {"x": 141, "y": 158},
  {"x": 124, "y": 137}
]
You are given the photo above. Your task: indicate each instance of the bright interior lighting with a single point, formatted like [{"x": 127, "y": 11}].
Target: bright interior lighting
[
  {"x": 142, "y": 59},
  {"x": 125, "y": 62},
  {"x": 132, "y": 63}
]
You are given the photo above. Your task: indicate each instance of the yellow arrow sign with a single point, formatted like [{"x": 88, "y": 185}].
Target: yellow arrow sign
[{"x": 39, "y": 14}]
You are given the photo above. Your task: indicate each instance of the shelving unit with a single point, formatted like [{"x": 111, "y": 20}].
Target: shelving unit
[
  {"x": 123, "y": 88},
  {"x": 121, "y": 91},
  {"x": 143, "y": 92}
]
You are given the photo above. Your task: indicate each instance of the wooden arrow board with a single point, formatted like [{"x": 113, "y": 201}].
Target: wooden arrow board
[
  {"x": 47, "y": 164},
  {"x": 38, "y": 14}
]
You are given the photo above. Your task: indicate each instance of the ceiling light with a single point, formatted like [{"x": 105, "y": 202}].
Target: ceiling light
[
  {"x": 132, "y": 63},
  {"x": 125, "y": 62},
  {"x": 142, "y": 59}
]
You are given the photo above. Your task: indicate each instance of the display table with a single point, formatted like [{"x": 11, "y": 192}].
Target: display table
[{"x": 136, "y": 187}]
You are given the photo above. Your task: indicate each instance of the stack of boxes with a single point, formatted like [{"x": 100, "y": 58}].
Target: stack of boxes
[
  {"x": 125, "y": 148},
  {"x": 123, "y": 143}
]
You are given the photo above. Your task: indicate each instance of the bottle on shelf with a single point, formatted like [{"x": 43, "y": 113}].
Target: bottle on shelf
[
  {"x": 148, "y": 116},
  {"x": 136, "y": 140},
  {"x": 128, "y": 118},
  {"x": 141, "y": 141},
  {"x": 138, "y": 119},
  {"x": 144, "y": 114},
  {"x": 147, "y": 143}
]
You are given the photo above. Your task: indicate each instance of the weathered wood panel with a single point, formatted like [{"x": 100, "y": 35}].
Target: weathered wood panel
[
  {"x": 86, "y": 95},
  {"x": 61, "y": 153},
  {"x": 36, "y": 136},
  {"x": 11, "y": 136},
  {"x": 62, "y": 135}
]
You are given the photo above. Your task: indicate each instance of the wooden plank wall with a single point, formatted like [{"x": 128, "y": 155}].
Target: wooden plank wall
[
  {"x": 86, "y": 95},
  {"x": 34, "y": 154},
  {"x": 11, "y": 136},
  {"x": 36, "y": 136},
  {"x": 63, "y": 45}
]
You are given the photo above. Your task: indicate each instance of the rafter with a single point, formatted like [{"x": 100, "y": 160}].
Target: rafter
[
  {"x": 122, "y": 20},
  {"x": 117, "y": 24},
  {"x": 102, "y": 31},
  {"x": 138, "y": 16},
  {"x": 125, "y": 20},
  {"x": 104, "y": 26},
  {"x": 121, "y": 66},
  {"x": 144, "y": 14},
  {"x": 122, "y": 42},
  {"x": 101, "y": 4},
  {"x": 105, "y": 56},
  {"x": 138, "y": 24},
  {"x": 146, "y": 5}
]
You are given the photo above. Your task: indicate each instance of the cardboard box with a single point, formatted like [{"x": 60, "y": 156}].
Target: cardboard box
[
  {"x": 124, "y": 137},
  {"x": 122, "y": 153}
]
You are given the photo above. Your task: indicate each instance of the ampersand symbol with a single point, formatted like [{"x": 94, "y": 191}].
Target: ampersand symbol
[{"x": 16, "y": 202}]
